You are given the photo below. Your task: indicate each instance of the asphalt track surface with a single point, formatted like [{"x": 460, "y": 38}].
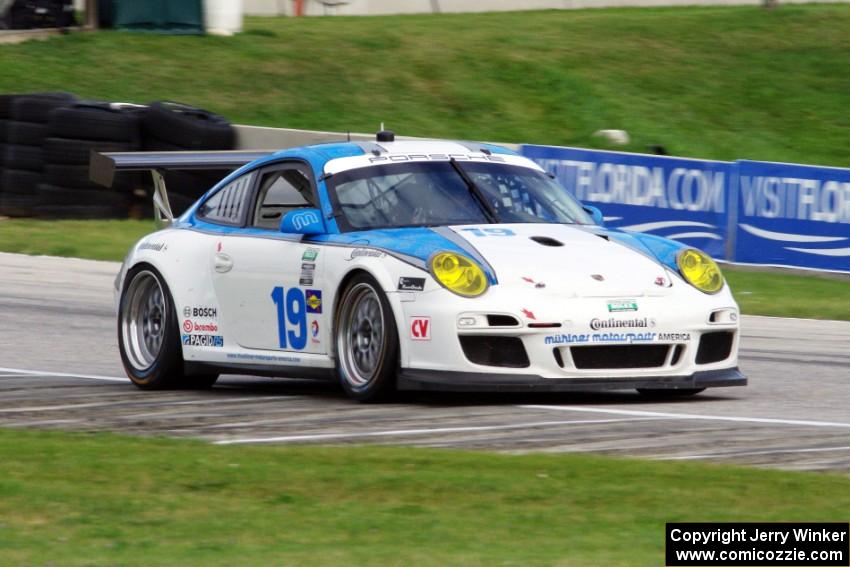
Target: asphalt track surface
[{"x": 60, "y": 369}]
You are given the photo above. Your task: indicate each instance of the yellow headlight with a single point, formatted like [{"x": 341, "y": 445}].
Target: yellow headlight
[
  {"x": 459, "y": 274},
  {"x": 700, "y": 270}
]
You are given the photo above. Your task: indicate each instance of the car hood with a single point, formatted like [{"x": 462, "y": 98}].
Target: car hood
[{"x": 572, "y": 260}]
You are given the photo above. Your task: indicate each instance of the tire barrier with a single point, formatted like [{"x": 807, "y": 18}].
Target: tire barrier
[
  {"x": 26, "y": 126},
  {"x": 46, "y": 140},
  {"x": 169, "y": 127}
]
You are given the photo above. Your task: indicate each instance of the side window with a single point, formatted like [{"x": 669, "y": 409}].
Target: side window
[
  {"x": 228, "y": 205},
  {"x": 281, "y": 191}
]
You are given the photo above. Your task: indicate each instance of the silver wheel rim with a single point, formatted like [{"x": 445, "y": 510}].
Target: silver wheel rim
[
  {"x": 143, "y": 318},
  {"x": 360, "y": 340}
]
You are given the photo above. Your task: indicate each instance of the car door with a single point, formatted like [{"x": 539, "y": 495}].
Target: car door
[{"x": 269, "y": 283}]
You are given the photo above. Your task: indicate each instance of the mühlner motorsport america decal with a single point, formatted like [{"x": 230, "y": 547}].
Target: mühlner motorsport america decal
[{"x": 611, "y": 323}]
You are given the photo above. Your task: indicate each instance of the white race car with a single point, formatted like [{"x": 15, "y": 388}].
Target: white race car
[{"x": 412, "y": 265}]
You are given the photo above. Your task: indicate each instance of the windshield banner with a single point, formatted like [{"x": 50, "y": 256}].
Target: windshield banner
[
  {"x": 793, "y": 215},
  {"x": 682, "y": 199}
]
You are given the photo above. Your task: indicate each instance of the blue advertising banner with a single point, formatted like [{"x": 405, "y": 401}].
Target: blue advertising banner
[
  {"x": 793, "y": 215},
  {"x": 683, "y": 199}
]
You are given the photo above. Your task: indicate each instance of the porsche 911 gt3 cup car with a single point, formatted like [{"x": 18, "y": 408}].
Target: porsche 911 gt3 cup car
[{"x": 412, "y": 265}]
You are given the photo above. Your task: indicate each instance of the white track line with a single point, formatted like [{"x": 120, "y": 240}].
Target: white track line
[
  {"x": 405, "y": 432},
  {"x": 755, "y": 453},
  {"x": 15, "y": 375},
  {"x": 24, "y": 372},
  {"x": 667, "y": 415},
  {"x": 139, "y": 402},
  {"x": 32, "y": 409}
]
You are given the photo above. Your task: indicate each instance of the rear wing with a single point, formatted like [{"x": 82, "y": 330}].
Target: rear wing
[{"x": 104, "y": 166}]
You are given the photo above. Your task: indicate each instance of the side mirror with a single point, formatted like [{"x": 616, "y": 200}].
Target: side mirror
[
  {"x": 595, "y": 214},
  {"x": 303, "y": 221}
]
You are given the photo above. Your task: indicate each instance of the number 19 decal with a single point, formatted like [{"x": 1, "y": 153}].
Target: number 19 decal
[{"x": 293, "y": 308}]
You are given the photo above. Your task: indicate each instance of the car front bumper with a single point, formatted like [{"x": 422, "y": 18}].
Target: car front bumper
[{"x": 448, "y": 381}]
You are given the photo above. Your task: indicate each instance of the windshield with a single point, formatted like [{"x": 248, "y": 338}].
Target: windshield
[{"x": 436, "y": 193}]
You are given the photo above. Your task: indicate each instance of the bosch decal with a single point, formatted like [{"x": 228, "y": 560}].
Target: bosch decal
[{"x": 203, "y": 312}]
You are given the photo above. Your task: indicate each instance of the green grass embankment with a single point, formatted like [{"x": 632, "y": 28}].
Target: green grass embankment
[
  {"x": 74, "y": 499},
  {"x": 720, "y": 82}
]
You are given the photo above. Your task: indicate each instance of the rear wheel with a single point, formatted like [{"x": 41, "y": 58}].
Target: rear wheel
[
  {"x": 366, "y": 341},
  {"x": 148, "y": 336}
]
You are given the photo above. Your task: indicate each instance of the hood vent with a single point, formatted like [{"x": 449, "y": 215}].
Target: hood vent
[{"x": 546, "y": 241}]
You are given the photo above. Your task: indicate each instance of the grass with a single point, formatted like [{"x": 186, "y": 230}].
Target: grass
[
  {"x": 783, "y": 295},
  {"x": 82, "y": 499},
  {"x": 95, "y": 240},
  {"x": 719, "y": 82}
]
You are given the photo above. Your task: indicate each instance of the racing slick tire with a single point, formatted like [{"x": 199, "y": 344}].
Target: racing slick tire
[
  {"x": 149, "y": 336},
  {"x": 669, "y": 392},
  {"x": 367, "y": 343}
]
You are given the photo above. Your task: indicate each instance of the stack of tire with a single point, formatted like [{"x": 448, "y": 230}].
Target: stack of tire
[
  {"x": 73, "y": 132},
  {"x": 45, "y": 146},
  {"x": 170, "y": 127},
  {"x": 5, "y": 114},
  {"x": 23, "y": 151}
]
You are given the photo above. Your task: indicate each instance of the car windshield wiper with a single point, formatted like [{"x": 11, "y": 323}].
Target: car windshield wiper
[{"x": 476, "y": 193}]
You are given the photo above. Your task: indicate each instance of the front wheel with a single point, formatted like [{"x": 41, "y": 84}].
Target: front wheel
[{"x": 366, "y": 341}]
